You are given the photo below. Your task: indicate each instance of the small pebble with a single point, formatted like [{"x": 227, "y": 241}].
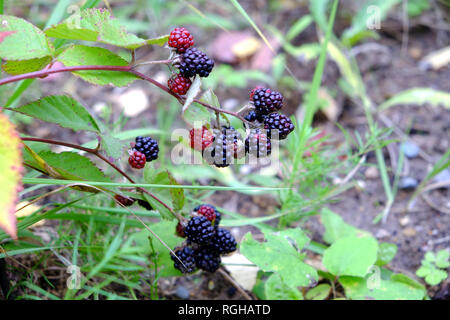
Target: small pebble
[
  {"x": 408, "y": 183},
  {"x": 382, "y": 234},
  {"x": 182, "y": 293},
  {"x": 410, "y": 149},
  {"x": 404, "y": 221},
  {"x": 409, "y": 232},
  {"x": 372, "y": 173}
]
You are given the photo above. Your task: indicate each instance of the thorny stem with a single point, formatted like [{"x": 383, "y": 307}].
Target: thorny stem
[
  {"x": 46, "y": 72},
  {"x": 102, "y": 157}
]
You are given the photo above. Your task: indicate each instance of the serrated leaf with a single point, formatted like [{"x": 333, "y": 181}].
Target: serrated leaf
[
  {"x": 319, "y": 292},
  {"x": 386, "y": 252},
  {"x": 62, "y": 110},
  {"x": 419, "y": 96},
  {"x": 177, "y": 194},
  {"x": 83, "y": 55},
  {"x": 280, "y": 254},
  {"x": 164, "y": 230},
  {"x": 335, "y": 226},
  {"x": 196, "y": 113},
  {"x": 20, "y": 40},
  {"x": 113, "y": 147},
  {"x": 24, "y": 66},
  {"x": 210, "y": 98},
  {"x": 11, "y": 168},
  {"x": 351, "y": 256},
  {"x": 98, "y": 25},
  {"x": 276, "y": 289},
  {"x": 395, "y": 288}
]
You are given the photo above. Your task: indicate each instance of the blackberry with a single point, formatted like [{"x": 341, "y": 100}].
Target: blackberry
[
  {"x": 179, "y": 230},
  {"x": 125, "y": 201},
  {"x": 253, "y": 116},
  {"x": 266, "y": 100},
  {"x": 207, "y": 259},
  {"x": 187, "y": 257},
  {"x": 277, "y": 121},
  {"x": 227, "y": 144},
  {"x": 258, "y": 144},
  {"x": 199, "y": 230},
  {"x": 179, "y": 84},
  {"x": 180, "y": 39},
  {"x": 145, "y": 204},
  {"x": 209, "y": 212},
  {"x": 147, "y": 146},
  {"x": 137, "y": 160},
  {"x": 193, "y": 62},
  {"x": 200, "y": 138},
  {"x": 223, "y": 242}
]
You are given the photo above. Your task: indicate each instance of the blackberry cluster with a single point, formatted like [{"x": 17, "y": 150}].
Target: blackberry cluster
[
  {"x": 258, "y": 143},
  {"x": 206, "y": 242},
  {"x": 279, "y": 122},
  {"x": 266, "y": 100},
  {"x": 179, "y": 84},
  {"x": 147, "y": 146},
  {"x": 180, "y": 39},
  {"x": 227, "y": 144},
  {"x": 193, "y": 62}
]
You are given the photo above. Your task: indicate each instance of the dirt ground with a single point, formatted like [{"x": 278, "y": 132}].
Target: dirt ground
[{"x": 386, "y": 71}]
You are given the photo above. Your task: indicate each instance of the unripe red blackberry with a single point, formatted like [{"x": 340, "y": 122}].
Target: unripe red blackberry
[
  {"x": 227, "y": 144},
  {"x": 193, "y": 62},
  {"x": 187, "y": 257},
  {"x": 223, "y": 242},
  {"x": 209, "y": 212},
  {"x": 180, "y": 39},
  {"x": 279, "y": 122},
  {"x": 137, "y": 160},
  {"x": 179, "y": 84},
  {"x": 200, "y": 138},
  {"x": 258, "y": 144},
  {"x": 147, "y": 146},
  {"x": 125, "y": 201},
  {"x": 207, "y": 259},
  {"x": 266, "y": 100},
  {"x": 199, "y": 230}
]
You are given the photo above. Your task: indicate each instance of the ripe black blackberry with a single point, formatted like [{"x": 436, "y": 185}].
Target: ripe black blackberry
[
  {"x": 144, "y": 204},
  {"x": 207, "y": 259},
  {"x": 193, "y": 62},
  {"x": 179, "y": 84},
  {"x": 266, "y": 100},
  {"x": 258, "y": 144},
  {"x": 137, "y": 160},
  {"x": 227, "y": 144},
  {"x": 147, "y": 146},
  {"x": 223, "y": 242},
  {"x": 277, "y": 121},
  {"x": 199, "y": 230},
  {"x": 187, "y": 257},
  {"x": 253, "y": 116},
  {"x": 180, "y": 39}
]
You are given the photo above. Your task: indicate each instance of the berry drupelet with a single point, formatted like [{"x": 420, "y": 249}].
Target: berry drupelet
[
  {"x": 223, "y": 242},
  {"x": 137, "y": 160},
  {"x": 279, "y": 122},
  {"x": 266, "y": 100},
  {"x": 179, "y": 84},
  {"x": 180, "y": 39},
  {"x": 200, "y": 138},
  {"x": 187, "y": 257},
  {"x": 147, "y": 146},
  {"x": 199, "y": 230},
  {"x": 193, "y": 62},
  {"x": 207, "y": 259},
  {"x": 210, "y": 212},
  {"x": 227, "y": 144}
]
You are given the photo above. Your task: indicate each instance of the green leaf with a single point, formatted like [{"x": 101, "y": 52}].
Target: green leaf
[
  {"x": 386, "y": 252},
  {"x": 113, "y": 147},
  {"x": 176, "y": 194},
  {"x": 11, "y": 168},
  {"x": 25, "y": 66},
  {"x": 298, "y": 27},
  {"x": 210, "y": 98},
  {"x": 280, "y": 254},
  {"x": 423, "y": 271},
  {"x": 395, "y": 288},
  {"x": 430, "y": 256},
  {"x": 196, "y": 113},
  {"x": 164, "y": 230},
  {"x": 98, "y": 25},
  {"x": 320, "y": 292},
  {"x": 417, "y": 96},
  {"x": 442, "y": 258},
  {"x": 351, "y": 256},
  {"x": 62, "y": 110},
  {"x": 83, "y": 55},
  {"x": 276, "y": 289},
  {"x": 436, "y": 276},
  {"x": 335, "y": 226},
  {"x": 20, "y": 40}
]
